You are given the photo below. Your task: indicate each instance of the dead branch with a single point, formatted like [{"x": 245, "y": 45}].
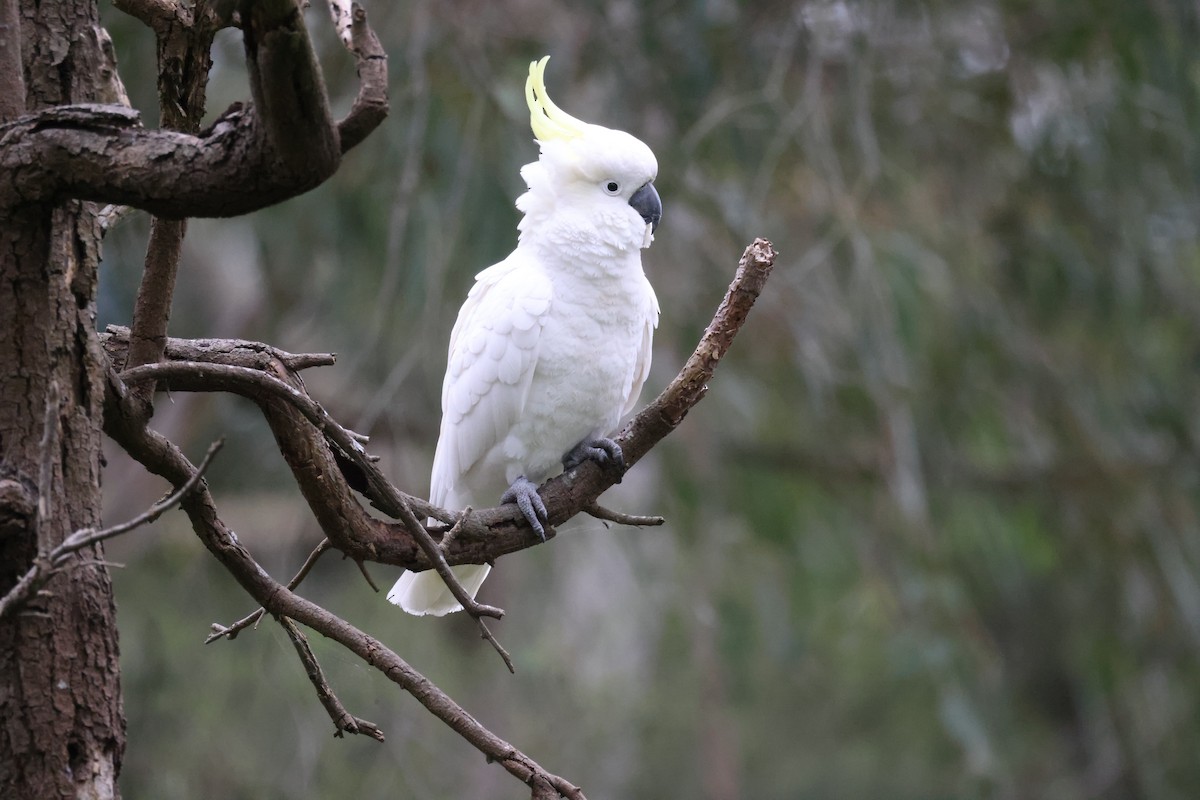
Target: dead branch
[
  {"x": 231, "y": 632},
  {"x": 371, "y": 104},
  {"x": 600, "y": 512},
  {"x": 300, "y": 426},
  {"x": 486, "y": 534},
  {"x": 162, "y": 458},
  {"x": 48, "y": 564},
  {"x": 343, "y": 721}
]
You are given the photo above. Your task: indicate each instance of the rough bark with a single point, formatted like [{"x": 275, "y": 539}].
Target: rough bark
[{"x": 60, "y": 699}]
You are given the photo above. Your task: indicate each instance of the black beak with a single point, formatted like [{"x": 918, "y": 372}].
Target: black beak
[{"x": 645, "y": 201}]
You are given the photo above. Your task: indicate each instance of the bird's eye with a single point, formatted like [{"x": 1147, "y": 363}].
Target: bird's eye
[{"x": 612, "y": 187}]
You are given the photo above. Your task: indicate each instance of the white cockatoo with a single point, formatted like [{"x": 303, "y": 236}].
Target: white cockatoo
[{"x": 552, "y": 345}]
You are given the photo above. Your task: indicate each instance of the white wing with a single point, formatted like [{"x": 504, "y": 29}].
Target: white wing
[
  {"x": 493, "y": 355},
  {"x": 641, "y": 367}
]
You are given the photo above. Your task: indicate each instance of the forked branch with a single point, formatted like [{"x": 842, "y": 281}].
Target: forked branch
[{"x": 301, "y": 427}]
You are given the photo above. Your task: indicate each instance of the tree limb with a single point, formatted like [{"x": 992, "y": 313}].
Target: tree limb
[
  {"x": 162, "y": 458},
  {"x": 371, "y": 104},
  {"x": 282, "y": 144},
  {"x": 343, "y": 720},
  {"x": 484, "y": 535},
  {"x": 231, "y": 632},
  {"x": 48, "y": 564}
]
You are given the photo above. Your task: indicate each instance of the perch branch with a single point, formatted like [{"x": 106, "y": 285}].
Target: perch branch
[{"x": 485, "y": 534}]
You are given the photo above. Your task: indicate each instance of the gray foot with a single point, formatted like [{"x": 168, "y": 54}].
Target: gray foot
[
  {"x": 524, "y": 493},
  {"x": 604, "y": 452}
]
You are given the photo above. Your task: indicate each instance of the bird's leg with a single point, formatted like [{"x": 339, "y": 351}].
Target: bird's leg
[
  {"x": 524, "y": 493},
  {"x": 603, "y": 451}
]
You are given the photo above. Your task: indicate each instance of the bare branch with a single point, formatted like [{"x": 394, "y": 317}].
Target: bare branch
[
  {"x": 371, "y": 104},
  {"x": 87, "y": 537},
  {"x": 248, "y": 382},
  {"x": 221, "y": 632},
  {"x": 343, "y": 720},
  {"x": 282, "y": 144},
  {"x": 362, "y": 568},
  {"x": 470, "y": 605},
  {"x": 152, "y": 308},
  {"x": 234, "y": 352},
  {"x": 47, "y": 565},
  {"x": 161, "y": 457},
  {"x": 434, "y": 553},
  {"x": 452, "y": 534},
  {"x": 600, "y": 512},
  {"x": 487, "y": 533}
]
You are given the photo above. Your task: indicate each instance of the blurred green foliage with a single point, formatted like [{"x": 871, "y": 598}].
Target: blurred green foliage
[{"x": 932, "y": 534}]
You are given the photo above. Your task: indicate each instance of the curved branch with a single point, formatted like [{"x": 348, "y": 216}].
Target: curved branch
[
  {"x": 485, "y": 534},
  {"x": 281, "y": 145},
  {"x": 371, "y": 104}
]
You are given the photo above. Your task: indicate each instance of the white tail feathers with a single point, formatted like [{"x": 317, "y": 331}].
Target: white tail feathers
[{"x": 424, "y": 593}]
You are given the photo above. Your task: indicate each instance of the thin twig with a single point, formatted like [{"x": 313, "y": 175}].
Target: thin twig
[
  {"x": 600, "y": 512},
  {"x": 222, "y": 632},
  {"x": 475, "y": 609},
  {"x": 362, "y": 567},
  {"x": 86, "y": 537},
  {"x": 46, "y": 566},
  {"x": 343, "y": 720},
  {"x": 455, "y": 529},
  {"x": 486, "y": 633},
  {"x": 434, "y": 552}
]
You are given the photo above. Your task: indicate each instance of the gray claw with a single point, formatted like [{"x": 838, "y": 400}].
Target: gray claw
[
  {"x": 603, "y": 451},
  {"x": 524, "y": 493}
]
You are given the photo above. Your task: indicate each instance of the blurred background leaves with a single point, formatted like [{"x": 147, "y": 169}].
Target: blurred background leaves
[{"x": 934, "y": 531}]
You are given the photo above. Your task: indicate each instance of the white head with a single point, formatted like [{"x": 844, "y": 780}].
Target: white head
[{"x": 592, "y": 188}]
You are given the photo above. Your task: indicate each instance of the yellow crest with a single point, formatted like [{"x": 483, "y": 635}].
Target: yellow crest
[{"x": 548, "y": 121}]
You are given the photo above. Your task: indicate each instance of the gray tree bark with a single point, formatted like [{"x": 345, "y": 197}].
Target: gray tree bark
[{"x": 63, "y": 730}]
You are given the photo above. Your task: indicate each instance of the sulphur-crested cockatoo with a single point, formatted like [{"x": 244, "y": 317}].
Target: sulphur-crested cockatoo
[{"x": 552, "y": 345}]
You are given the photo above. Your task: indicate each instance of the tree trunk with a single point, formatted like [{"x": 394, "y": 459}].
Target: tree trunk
[{"x": 62, "y": 731}]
